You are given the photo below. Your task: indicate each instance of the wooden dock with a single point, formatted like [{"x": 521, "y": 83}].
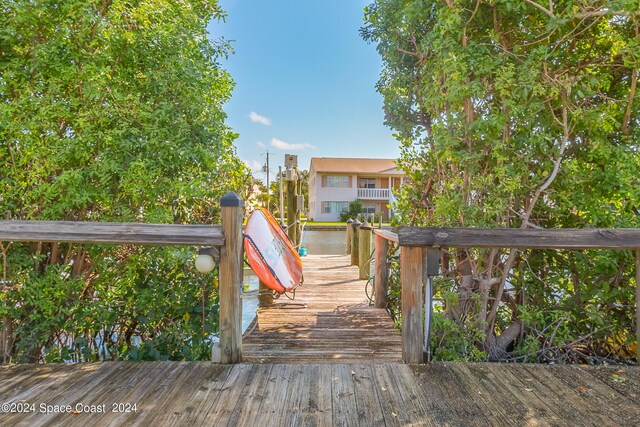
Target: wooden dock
[
  {"x": 330, "y": 321},
  {"x": 341, "y": 370},
  {"x": 204, "y": 393}
]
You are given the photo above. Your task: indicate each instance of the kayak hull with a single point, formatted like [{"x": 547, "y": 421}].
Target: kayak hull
[{"x": 270, "y": 253}]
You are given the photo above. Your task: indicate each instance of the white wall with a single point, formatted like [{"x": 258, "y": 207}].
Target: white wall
[{"x": 320, "y": 194}]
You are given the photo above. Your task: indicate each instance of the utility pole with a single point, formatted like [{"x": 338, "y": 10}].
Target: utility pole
[
  {"x": 268, "y": 189},
  {"x": 281, "y": 195},
  {"x": 291, "y": 165}
]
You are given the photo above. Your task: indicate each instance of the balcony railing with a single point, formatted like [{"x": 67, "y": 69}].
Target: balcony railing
[{"x": 373, "y": 193}]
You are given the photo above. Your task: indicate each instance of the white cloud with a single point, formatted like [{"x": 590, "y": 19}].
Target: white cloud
[
  {"x": 257, "y": 118},
  {"x": 278, "y": 143},
  {"x": 254, "y": 165},
  {"x": 261, "y": 144}
]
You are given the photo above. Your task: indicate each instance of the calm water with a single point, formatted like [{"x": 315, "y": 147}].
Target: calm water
[
  {"x": 324, "y": 242},
  {"x": 317, "y": 243}
]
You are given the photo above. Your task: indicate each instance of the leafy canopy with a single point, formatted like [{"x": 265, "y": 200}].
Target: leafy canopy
[
  {"x": 517, "y": 114},
  {"x": 110, "y": 110}
]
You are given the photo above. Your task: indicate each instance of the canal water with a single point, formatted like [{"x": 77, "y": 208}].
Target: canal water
[{"x": 317, "y": 242}]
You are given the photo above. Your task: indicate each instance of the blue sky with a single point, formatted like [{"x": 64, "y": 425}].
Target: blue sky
[{"x": 305, "y": 81}]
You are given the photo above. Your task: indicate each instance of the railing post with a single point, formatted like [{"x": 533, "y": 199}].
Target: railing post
[
  {"x": 364, "y": 250},
  {"x": 355, "y": 225},
  {"x": 349, "y": 231},
  {"x": 231, "y": 256},
  {"x": 381, "y": 276},
  {"x": 412, "y": 320}
]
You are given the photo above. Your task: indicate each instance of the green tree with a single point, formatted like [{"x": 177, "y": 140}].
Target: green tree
[
  {"x": 518, "y": 114},
  {"x": 110, "y": 111},
  {"x": 355, "y": 209}
]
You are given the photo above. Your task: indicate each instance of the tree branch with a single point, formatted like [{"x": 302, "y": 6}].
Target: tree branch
[
  {"x": 556, "y": 164},
  {"x": 548, "y": 12},
  {"x": 632, "y": 95}
]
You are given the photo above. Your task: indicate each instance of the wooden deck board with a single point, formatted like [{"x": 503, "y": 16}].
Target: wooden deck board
[
  {"x": 204, "y": 393},
  {"x": 330, "y": 321}
]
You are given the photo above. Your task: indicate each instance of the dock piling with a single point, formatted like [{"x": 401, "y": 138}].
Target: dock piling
[
  {"x": 364, "y": 250},
  {"x": 355, "y": 226}
]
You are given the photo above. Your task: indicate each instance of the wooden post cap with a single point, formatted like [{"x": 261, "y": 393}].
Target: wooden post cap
[
  {"x": 349, "y": 221},
  {"x": 231, "y": 200},
  {"x": 356, "y": 223},
  {"x": 365, "y": 225}
]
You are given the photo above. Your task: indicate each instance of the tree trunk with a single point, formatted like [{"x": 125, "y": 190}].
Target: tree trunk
[{"x": 6, "y": 341}]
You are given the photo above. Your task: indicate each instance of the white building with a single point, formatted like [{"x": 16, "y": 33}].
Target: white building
[{"x": 334, "y": 182}]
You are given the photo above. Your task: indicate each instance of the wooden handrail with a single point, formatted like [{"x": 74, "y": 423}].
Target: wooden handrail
[
  {"x": 227, "y": 236},
  {"x": 559, "y": 238},
  {"x": 387, "y": 234},
  {"x": 111, "y": 232},
  {"x": 420, "y": 239}
]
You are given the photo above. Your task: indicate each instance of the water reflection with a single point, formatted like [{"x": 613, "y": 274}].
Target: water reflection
[{"x": 319, "y": 242}]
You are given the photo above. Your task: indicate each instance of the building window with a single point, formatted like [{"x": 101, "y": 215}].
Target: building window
[
  {"x": 334, "y": 207},
  {"x": 367, "y": 183},
  {"x": 369, "y": 208},
  {"x": 336, "y": 181}
]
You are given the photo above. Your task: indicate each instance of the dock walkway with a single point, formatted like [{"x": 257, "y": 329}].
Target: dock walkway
[{"x": 329, "y": 321}]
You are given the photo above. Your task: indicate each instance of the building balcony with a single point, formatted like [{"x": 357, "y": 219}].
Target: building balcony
[{"x": 373, "y": 193}]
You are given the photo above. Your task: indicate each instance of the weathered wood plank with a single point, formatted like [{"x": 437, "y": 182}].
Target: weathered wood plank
[
  {"x": 565, "y": 402},
  {"x": 217, "y": 411},
  {"x": 538, "y": 410},
  {"x": 450, "y": 400},
  {"x": 204, "y": 393},
  {"x": 412, "y": 320},
  {"x": 381, "y": 275},
  {"x": 209, "y": 389},
  {"x": 367, "y": 400},
  {"x": 231, "y": 256},
  {"x": 348, "y": 234},
  {"x": 345, "y": 412},
  {"x": 364, "y": 251},
  {"x": 399, "y": 404},
  {"x": 567, "y": 238},
  {"x": 330, "y": 321},
  {"x": 355, "y": 254},
  {"x": 602, "y": 399},
  {"x": 498, "y": 405},
  {"x": 274, "y": 403},
  {"x": 111, "y": 232},
  {"x": 246, "y": 410},
  {"x": 386, "y": 234}
]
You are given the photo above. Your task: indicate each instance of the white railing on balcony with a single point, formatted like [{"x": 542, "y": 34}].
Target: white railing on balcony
[{"x": 373, "y": 193}]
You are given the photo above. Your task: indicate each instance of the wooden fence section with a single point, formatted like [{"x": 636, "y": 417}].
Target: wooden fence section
[
  {"x": 227, "y": 236},
  {"x": 419, "y": 246},
  {"x": 329, "y": 321},
  {"x": 204, "y": 393}
]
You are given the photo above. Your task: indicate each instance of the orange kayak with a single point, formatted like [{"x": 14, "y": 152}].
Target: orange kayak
[{"x": 270, "y": 253}]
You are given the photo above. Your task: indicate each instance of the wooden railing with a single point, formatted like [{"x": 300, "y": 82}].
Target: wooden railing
[
  {"x": 419, "y": 256},
  {"x": 228, "y": 237}
]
